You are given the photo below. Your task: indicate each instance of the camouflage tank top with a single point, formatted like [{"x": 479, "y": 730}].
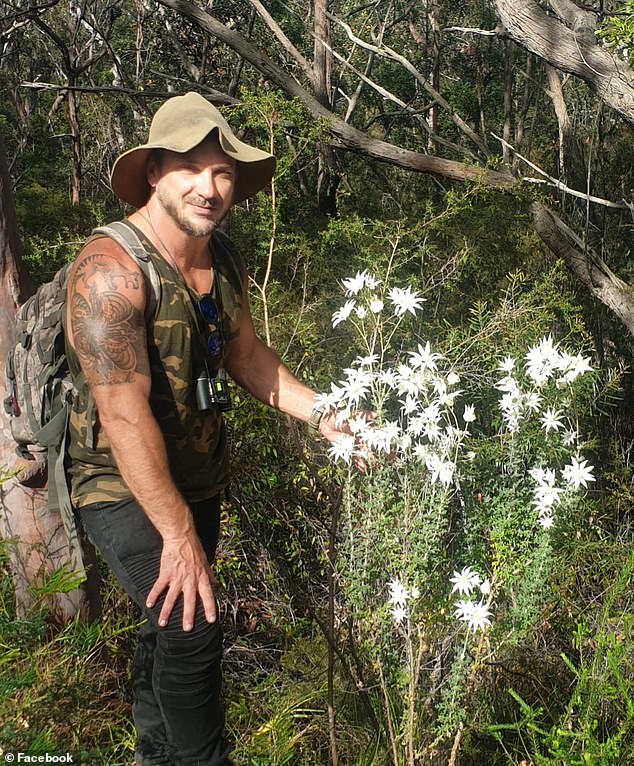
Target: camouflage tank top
[{"x": 196, "y": 441}]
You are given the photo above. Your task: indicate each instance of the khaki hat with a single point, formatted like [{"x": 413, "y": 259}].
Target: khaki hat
[{"x": 179, "y": 125}]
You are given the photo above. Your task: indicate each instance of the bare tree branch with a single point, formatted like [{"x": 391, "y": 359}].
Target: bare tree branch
[
  {"x": 389, "y": 96},
  {"x": 585, "y": 264},
  {"x": 304, "y": 65},
  {"x": 216, "y": 96},
  {"x": 559, "y": 184},
  {"x": 474, "y": 31},
  {"x": 386, "y": 52},
  {"x": 348, "y": 137}
]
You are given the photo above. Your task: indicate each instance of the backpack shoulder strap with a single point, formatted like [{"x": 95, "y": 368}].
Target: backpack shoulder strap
[{"x": 128, "y": 239}]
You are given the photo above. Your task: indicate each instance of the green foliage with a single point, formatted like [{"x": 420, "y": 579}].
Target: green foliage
[
  {"x": 618, "y": 29},
  {"x": 597, "y": 723},
  {"x": 60, "y": 686}
]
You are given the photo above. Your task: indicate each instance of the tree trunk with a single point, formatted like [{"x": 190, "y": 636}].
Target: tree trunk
[
  {"x": 433, "y": 14},
  {"x": 75, "y": 131},
  {"x": 327, "y": 179},
  {"x": 36, "y": 538}
]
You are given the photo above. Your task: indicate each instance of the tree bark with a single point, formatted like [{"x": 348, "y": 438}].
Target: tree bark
[
  {"x": 36, "y": 538},
  {"x": 569, "y": 50},
  {"x": 593, "y": 273}
]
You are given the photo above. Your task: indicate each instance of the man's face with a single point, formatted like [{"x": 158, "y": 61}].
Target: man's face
[{"x": 196, "y": 188}]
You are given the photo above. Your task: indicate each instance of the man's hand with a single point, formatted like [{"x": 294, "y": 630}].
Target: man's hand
[
  {"x": 331, "y": 430},
  {"x": 184, "y": 570}
]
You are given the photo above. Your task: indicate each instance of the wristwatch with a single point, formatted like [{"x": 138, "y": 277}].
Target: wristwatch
[{"x": 319, "y": 410}]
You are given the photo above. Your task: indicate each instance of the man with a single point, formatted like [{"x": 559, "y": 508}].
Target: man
[{"x": 147, "y": 441}]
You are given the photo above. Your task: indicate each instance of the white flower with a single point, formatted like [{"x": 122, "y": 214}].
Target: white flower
[
  {"x": 407, "y": 380},
  {"x": 478, "y": 616},
  {"x": 550, "y": 420},
  {"x": 399, "y": 595},
  {"x": 355, "y": 284},
  {"x": 381, "y": 438},
  {"x": 432, "y": 431},
  {"x": 507, "y": 365},
  {"x": 343, "y": 313},
  {"x": 415, "y": 592},
  {"x": 573, "y": 366},
  {"x": 421, "y": 451},
  {"x": 361, "y": 312},
  {"x": 453, "y": 378},
  {"x": 578, "y": 473},
  {"x": 546, "y": 497},
  {"x": 342, "y": 448},
  {"x": 533, "y": 401},
  {"x": 570, "y": 438},
  {"x": 399, "y": 613},
  {"x": 542, "y": 360},
  {"x": 544, "y": 476},
  {"x": 469, "y": 413},
  {"x": 546, "y": 520},
  {"x": 431, "y": 413},
  {"x": 440, "y": 470},
  {"x": 366, "y": 361},
  {"x": 376, "y": 305},
  {"x": 424, "y": 358},
  {"x": 357, "y": 384},
  {"x": 485, "y": 587},
  {"x": 509, "y": 383},
  {"x": 371, "y": 282},
  {"x": 463, "y": 608},
  {"x": 405, "y": 300},
  {"x": 409, "y": 404},
  {"x": 358, "y": 424},
  {"x": 415, "y": 425},
  {"x": 465, "y": 581},
  {"x": 333, "y": 399},
  {"x": 388, "y": 377}
]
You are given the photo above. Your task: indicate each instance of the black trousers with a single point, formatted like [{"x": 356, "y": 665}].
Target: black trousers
[{"x": 176, "y": 676}]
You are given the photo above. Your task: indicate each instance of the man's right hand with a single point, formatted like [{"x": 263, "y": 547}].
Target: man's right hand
[{"x": 184, "y": 571}]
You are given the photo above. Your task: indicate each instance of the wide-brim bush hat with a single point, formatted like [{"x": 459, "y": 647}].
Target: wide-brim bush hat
[{"x": 179, "y": 125}]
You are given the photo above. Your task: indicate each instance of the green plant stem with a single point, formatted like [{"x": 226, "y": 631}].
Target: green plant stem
[
  {"x": 332, "y": 558},
  {"x": 388, "y": 717}
]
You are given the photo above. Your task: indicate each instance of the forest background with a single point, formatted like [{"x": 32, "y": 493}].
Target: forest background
[{"x": 477, "y": 155}]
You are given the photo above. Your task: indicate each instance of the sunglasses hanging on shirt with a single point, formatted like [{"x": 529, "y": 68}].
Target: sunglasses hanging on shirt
[{"x": 211, "y": 314}]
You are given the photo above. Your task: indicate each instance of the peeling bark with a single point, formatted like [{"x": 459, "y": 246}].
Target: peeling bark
[{"x": 569, "y": 50}]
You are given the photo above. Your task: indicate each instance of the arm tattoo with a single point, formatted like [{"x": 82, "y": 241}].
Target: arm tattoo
[{"x": 108, "y": 330}]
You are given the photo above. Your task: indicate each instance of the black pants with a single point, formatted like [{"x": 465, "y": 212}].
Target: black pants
[{"x": 177, "y": 709}]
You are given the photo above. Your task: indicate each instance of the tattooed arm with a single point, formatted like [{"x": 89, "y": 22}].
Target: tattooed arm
[{"x": 106, "y": 327}]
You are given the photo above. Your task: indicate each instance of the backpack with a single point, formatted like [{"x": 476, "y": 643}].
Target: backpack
[{"x": 40, "y": 388}]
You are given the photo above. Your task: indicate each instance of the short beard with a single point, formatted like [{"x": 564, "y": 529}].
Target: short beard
[{"x": 204, "y": 228}]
